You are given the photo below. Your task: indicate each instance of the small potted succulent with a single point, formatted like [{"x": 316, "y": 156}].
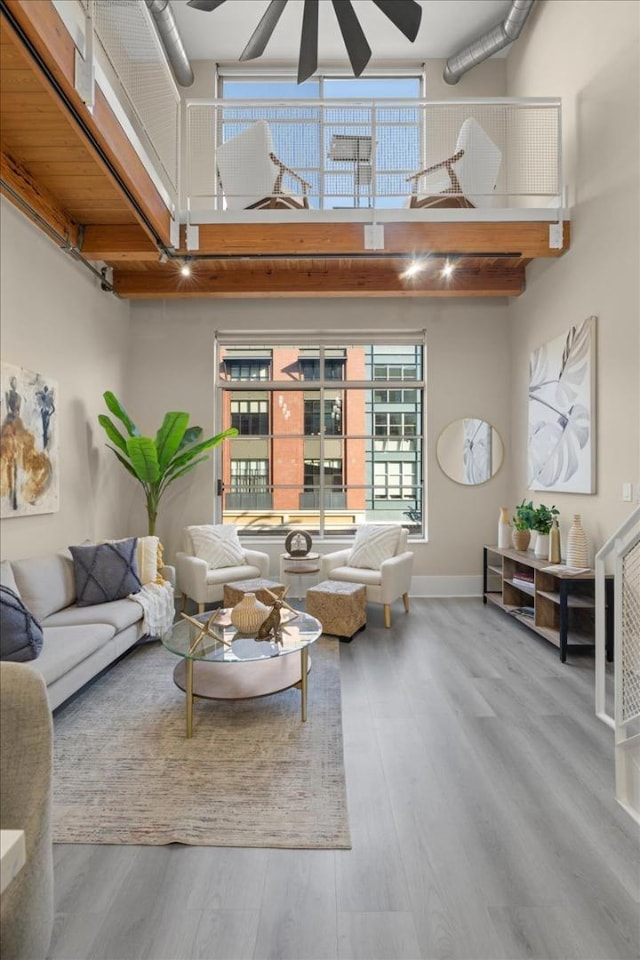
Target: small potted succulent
[
  {"x": 544, "y": 517},
  {"x": 523, "y": 523}
]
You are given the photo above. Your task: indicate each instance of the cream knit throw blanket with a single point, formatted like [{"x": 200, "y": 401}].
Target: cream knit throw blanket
[{"x": 156, "y": 600}]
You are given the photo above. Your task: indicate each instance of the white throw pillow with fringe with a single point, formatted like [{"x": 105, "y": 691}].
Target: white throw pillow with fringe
[
  {"x": 218, "y": 544},
  {"x": 373, "y": 544}
]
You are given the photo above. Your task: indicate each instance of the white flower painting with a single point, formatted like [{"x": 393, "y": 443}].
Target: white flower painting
[{"x": 561, "y": 412}]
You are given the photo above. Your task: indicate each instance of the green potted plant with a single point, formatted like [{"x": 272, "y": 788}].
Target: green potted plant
[
  {"x": 155, "y": 462},
  {"x": 544, "y": 517},
  {"x": 523, "y": 523}
]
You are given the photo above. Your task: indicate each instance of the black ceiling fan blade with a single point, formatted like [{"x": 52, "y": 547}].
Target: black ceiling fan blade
[
  {"x": 206, "y": 5},
  {"x": 308, "y": 60},
  {"x": 262, "y": 33},
  {"x": 354, "y": 39},
  {"x": 404, "y": 14}
]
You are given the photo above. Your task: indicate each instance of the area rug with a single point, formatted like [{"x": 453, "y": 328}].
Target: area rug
[{"x": 252, "y": 775}]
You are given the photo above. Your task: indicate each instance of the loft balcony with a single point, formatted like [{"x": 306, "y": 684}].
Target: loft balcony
[{"x": 135, "y": 180}]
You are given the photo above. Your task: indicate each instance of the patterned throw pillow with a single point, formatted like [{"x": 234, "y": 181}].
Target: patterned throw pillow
[
  {"x": 20, "y": 633},
  {"x": 105, "y": 571},
  {"x": 218, "y": 544},
  {"x": 373, "y": 544}
]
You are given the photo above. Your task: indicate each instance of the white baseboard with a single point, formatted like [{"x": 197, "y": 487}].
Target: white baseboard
[{"x": 469, "y": 586}]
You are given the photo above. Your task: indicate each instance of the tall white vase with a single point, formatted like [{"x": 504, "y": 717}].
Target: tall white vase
[
  {"x": 504, "y": 528},
  {"x": 541, "y": 548},
  {"x": 577, "y": 545}
]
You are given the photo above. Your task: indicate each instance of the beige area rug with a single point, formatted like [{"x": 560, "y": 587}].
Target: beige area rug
[{"x": 253, "y": 775}]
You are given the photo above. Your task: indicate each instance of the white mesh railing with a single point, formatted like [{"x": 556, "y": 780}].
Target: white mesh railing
[
  {"x": 364, "y": 154},
  {"x": 137, "y": 68},
  {"x": 630, "y": 639}
]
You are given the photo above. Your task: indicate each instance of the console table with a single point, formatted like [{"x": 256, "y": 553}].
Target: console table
[{"x": 558, "y": 605}]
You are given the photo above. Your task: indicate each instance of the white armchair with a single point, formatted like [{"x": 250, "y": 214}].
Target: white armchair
[
  {"x": 385, "y": 582},
  {"x": 212, "y": 556}
]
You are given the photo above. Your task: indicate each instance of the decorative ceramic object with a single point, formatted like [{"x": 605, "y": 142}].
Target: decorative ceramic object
[
  {"x": 504, "y": 528},
  {"x": 554, "y": 543},
  {"x": 298, "y": 543},
  {"x": 541, "y": 547},
  {"x": 248, "y": 615},
  {"x": 520, "y": 539},
  {"x": 577, "y": 545}
]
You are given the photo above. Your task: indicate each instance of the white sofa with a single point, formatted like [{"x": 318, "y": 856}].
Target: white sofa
[{"x": 79, "y": 642}]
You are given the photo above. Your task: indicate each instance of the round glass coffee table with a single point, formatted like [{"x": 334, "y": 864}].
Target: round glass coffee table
[{"x": 223, "y": 664}]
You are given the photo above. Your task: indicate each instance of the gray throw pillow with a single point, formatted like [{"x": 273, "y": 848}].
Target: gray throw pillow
[
  {"x": 20, "y": 633},
  {"x": 105, "y": 571}
]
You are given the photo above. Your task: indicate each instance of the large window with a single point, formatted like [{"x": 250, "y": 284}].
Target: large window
[{"x": 333, "y": 439}]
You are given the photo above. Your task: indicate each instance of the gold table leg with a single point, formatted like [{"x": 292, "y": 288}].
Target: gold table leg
[
  {"x": 304, "y": 675},
  {"x": 189, "y": 695}
]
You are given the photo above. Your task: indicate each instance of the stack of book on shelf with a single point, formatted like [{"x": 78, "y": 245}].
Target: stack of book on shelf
[
  {"x": 524, "y": 579},
  {"x": 522, "y": 612}
]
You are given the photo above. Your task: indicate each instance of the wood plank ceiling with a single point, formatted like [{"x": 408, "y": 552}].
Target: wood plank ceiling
[{"x": 77, "y": 177}]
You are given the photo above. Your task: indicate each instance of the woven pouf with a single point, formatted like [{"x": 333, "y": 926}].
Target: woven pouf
[
  {"x": 341, "y": 607},
  {"x": 234, "y": 592}
]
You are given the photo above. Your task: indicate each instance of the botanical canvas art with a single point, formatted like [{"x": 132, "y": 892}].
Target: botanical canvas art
[
  {"x": 561, "y": 412},
  {"x": 28, "y": 443}
]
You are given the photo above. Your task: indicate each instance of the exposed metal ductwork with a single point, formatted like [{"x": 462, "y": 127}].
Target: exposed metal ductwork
[
  {"x": 171, "y": 40},
  {"x": 489, "y": 43}
]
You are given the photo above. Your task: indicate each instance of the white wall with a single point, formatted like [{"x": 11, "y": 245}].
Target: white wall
[
  {"x": 587, "y": 53},
  {"x": 468, "y": 374},
  {"x": 57, "y": 321}
]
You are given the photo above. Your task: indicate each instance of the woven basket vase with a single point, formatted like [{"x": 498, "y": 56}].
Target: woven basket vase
[{"x": 577, "y": 545}]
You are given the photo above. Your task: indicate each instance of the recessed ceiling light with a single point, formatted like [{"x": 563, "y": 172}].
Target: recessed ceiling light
[
  {"x": 448, "y": 269},
  {"x": 185, "y": 270},
  {"x": 414, "y": 268}
]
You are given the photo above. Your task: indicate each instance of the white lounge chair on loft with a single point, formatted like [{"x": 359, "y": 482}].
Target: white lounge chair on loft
[
  {"x": 465, "y": 179},
  {"x": 251, "y": 175},
  {"x": 380, "y": 559}
]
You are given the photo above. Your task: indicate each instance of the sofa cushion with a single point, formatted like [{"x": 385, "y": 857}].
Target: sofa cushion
[
  {"x": 20, "y": 633},
  {"x": 66, "y": 647},
  {"x": 374, "y": 543},
  {"x": 370, "y": 578},
  {"x": 231, "y": 574},
  {"x": 105, "y": 571},
  {"x": 45, "y": 584},
  {"x": 148, "y": 553},
  {"x": 119, "y": 614},
  {"x": 218, "y": 544},
  {"x": 7, "y": 578}
]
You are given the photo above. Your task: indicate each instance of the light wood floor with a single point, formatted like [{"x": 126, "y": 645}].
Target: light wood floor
[{"x": 482, "y": 818}]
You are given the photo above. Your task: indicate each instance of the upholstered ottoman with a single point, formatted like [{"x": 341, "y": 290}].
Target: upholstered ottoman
[
  {"x": 234, "y": 592},
  {"x": 341, "y": 607}
]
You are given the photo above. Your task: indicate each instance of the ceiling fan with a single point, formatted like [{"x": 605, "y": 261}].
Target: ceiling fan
[{"x": 403, "y": 14}]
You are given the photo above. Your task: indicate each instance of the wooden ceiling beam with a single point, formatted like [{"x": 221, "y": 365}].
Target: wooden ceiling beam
[
  {"x": 118, "y": 243},
  {"x": 361, "y": 279},
  {"x": 528, "y": 239},
  {"x": 16, "y": 180},
  {"x": 111, "y": 147}
]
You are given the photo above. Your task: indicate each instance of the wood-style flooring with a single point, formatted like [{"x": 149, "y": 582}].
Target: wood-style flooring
[{"x": 482, "y": 815}]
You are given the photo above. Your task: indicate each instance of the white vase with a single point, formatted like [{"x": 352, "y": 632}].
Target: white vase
[
  {"x": 541, "y": 548},
  {"x": 577, "y": 554},
  {"x": 249, "y": 614},
  {"x": 504, "y": 529}
]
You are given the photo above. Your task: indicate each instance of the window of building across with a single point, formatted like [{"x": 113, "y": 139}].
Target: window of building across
[{"x": 328, "y": 442}]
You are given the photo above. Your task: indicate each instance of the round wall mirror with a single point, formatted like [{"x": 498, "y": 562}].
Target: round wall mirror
[{"x": 470, "y": 451}]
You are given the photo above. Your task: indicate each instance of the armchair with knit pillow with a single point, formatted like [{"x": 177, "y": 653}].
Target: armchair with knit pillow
[
  {"x": 212, "y": 556},
  {"x": 380, "y": 560}
]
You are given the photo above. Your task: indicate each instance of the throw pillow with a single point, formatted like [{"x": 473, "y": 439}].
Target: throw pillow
[
  {"x": 218, "y": 544},
  {"x": 373, "y": 544},
  {"x": 105, "y": 571},
  {"x": 20, "y": 633},
  {"x": 148, "y": 555}
]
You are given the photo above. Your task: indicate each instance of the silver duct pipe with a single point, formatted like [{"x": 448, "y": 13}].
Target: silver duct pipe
[
  {"x": 171, "y": 41},
  {"x": 489, "y": 43}
]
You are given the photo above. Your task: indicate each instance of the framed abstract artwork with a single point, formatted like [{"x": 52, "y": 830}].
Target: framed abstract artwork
[
  {"x": 561, "y": 441},
  {"x": 29, "y": 477}
]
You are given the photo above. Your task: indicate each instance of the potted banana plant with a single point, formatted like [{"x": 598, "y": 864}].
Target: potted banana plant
[{"x": 155, "y": 462}]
